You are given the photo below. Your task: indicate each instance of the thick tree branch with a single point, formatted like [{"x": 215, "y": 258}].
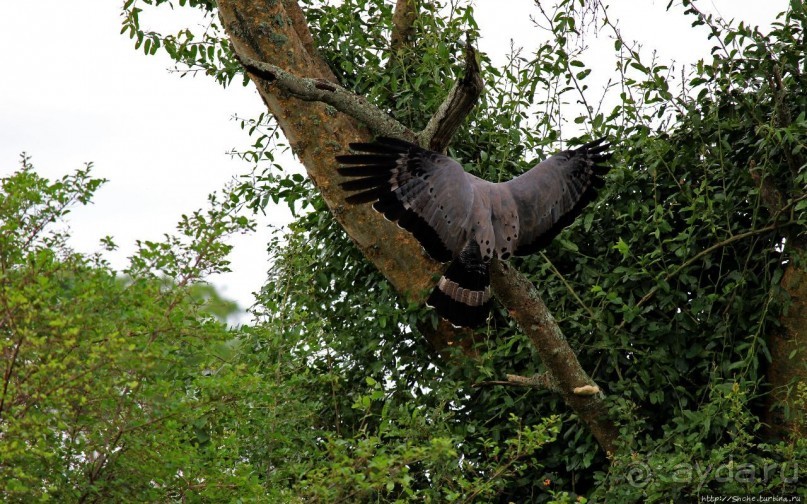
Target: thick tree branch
[
  {"x": 455, "y": 108},
  {"x": 437, "y": 134},
  {"x": 321, "y": 90},
  {"x": 540, "y": 381},
  {"x": 403, "y": 23},
  {"x": 300, "y": 25},
  {"x": 523, "y": 302}
]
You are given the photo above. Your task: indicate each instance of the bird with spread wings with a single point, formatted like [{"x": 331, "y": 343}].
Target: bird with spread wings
[{"x": 465, "y": 220}]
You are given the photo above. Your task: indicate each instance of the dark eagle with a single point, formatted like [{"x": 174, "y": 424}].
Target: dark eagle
[{"x": 466, "y": 220}]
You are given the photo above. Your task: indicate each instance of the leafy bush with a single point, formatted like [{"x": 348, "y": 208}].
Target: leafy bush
[{"x": 112, "y": 386}]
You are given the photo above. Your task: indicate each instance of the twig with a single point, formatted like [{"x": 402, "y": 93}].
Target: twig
[
  {"x": 707, "y": 251},
  {"x": 569, "y": 287},
  {"x": 707, "y": 20},
  {"x": 7, "y": 374}
]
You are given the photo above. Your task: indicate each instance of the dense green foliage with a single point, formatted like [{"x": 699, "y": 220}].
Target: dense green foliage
[
  {"x": 113, "y": 386},
  {"x": 667, "y": 288}
]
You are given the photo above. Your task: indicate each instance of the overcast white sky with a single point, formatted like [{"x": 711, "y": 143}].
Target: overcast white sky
[{"x": 74, "y": 90}]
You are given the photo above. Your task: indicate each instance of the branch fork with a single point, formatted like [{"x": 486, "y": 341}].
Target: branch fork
[{"x": 436, "y": 135}]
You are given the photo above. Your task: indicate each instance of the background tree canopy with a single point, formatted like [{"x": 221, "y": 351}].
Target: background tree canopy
[{"x": 681, "y": 290}]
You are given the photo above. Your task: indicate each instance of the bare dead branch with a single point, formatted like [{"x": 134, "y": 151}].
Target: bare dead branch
[
  {"x": 437, "y": 134},
  {"x": 455, "y": 108},
  {"x": 540, "y": 381}
]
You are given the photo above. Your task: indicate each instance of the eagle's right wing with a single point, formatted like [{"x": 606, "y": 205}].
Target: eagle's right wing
[{"x": 426, "y": 193}]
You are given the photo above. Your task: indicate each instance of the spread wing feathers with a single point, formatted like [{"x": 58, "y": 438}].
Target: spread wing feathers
[
  {"x": 553, "y": 193},
  {"x": 460, "y": 218},
  {"x": 462, "y": 296},
  {"x": 426, "y": 193}
]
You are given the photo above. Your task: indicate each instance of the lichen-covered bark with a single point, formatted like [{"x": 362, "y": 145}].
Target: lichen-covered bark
[
  {"x": 320, "y": 90},
  {"x": 276, "y": 32}
]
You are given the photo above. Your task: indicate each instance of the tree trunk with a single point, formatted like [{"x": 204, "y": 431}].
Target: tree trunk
[
  {"x": 277, "y": 32},
  {"x": 785, "y": 413}
]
